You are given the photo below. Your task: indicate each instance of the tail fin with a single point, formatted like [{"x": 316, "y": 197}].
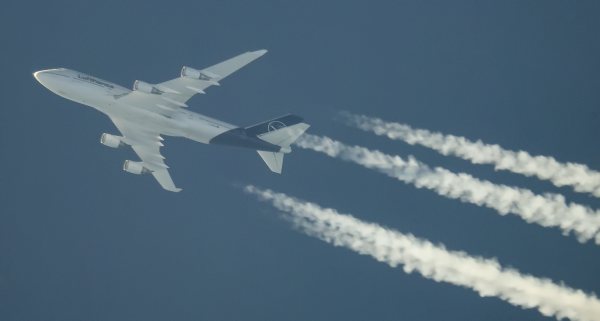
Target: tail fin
[
  {"x": 282, "y": 131},
  {"x": 285, "y": 136},
  {"x": 273, "y": 125}
]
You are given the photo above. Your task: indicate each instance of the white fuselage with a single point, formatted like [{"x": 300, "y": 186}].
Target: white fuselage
[
  {"x": 152, "y": 110},
  {"x": 101, "y": 95}
]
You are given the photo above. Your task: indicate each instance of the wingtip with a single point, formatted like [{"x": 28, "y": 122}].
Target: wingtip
[{"x": 260, "y": 52}]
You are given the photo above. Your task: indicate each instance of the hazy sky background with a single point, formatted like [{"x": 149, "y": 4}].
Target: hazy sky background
[{"x": 80, "y": 239}]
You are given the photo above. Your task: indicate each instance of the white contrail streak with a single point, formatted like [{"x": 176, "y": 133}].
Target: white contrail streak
[
  {"x": 549, "y": 210},
  {"x": 579, "y": 176},
  {"x": 485, "y": 276}
]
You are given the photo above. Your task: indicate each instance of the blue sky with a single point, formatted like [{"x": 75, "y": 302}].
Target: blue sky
[{"x": 82, "y": 239}]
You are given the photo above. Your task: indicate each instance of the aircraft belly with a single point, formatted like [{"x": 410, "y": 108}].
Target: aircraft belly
[
  {"x": 153, "y": 121},
  {"x": 202, "y": 132},
  {"x": 77, "y": 92}
]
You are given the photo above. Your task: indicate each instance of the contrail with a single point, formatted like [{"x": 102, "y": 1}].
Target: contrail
[
  {"x": 549, "y": 210},
  {"x": 485, "y": 276},
  {"x": 579, "y": 176}
]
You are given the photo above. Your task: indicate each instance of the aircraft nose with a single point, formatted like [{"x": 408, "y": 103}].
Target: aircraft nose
[
  {"x": 45, "y": 75},
  {"x": 40, "y": 76}
]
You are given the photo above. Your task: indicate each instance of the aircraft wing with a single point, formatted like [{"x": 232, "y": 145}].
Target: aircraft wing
[
  {"x": 146, "y": 144},
  {"x": 172, "y": 94}
]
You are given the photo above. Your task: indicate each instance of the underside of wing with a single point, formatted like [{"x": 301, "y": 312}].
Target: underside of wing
[
  {"x": 194, "y": 81},
  {"x": 146, "y": 144},
  {"x": 173, "y": 94}
]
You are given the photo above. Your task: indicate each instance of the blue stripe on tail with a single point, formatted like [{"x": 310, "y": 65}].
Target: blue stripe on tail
[{"x": 273, "y": 125}]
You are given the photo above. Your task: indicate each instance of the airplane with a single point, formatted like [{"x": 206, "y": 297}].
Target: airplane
[{"x": 152, "y": 110}]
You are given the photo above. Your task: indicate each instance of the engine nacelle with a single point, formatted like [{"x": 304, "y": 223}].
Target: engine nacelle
[
  {"x": 146, "y": 88},
  {"x": 190, "y": 73},
  {"x": 112, "y": 141},
  {"x": 201, "y": 75},
  {"x": 196, "y": 74},
  {"x": 135, "y": 168}
]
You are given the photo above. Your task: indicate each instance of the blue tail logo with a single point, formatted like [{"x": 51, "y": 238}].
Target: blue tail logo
[{"x": 275, "y": 125}]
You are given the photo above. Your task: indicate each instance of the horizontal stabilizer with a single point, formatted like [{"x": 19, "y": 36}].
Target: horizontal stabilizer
[
  {"x": 285, "y": 136},
  {"x": 273, "y": 160}
]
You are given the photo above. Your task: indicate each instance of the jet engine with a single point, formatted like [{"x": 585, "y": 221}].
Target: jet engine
[
  {"x": 135, "y": 168},
  {"x": 190, "y": 73},
  {"x": 146, "y": 88},
  {"x": 112, "y": 141}
]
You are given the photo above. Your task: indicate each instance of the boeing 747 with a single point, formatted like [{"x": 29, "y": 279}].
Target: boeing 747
[{"x": 149, "y": 111}]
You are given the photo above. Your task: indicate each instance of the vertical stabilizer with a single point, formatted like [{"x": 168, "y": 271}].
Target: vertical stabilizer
[
  {"x": 282, "y": 132},
  {"x": 285, "y": 136}
]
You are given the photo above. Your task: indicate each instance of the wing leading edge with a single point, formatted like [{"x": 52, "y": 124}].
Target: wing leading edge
[
  {"x": 197, "y": 80},
  {"x": 166, "y": 98},
  {"x": 173, "y": 94},
  {"x": 146, "y": 145}
]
